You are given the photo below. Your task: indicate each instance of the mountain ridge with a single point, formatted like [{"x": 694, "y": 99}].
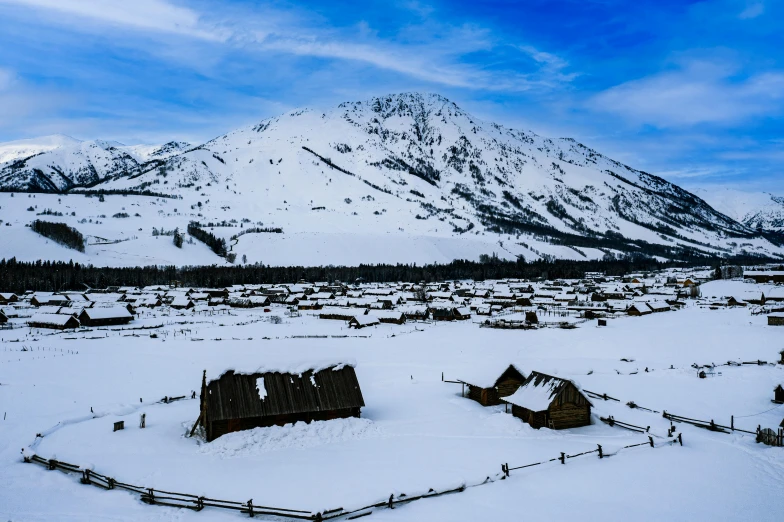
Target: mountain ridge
[{"x": 418, "y": 165}]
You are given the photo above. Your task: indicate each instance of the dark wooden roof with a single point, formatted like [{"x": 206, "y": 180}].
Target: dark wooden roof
[{"x": 235, "y": 396}]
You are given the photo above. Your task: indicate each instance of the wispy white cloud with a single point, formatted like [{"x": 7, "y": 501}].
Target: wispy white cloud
[
  {"x": 752, "y": 10},
  {"x": 698, "y": 92},
  {"x": 437, "y": 59},
  {"x": 147, "y": 15}
]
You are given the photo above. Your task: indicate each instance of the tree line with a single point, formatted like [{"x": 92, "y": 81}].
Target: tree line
[
  {"x": 16, "y": 276},
  {"x": 216, "y": 244},
  {"x": 59, "y": 232}
]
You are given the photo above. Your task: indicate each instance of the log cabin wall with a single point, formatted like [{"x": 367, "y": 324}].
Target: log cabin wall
[
  {"x": 569, "y": 416},
  {"x": 508, "y": 386}
]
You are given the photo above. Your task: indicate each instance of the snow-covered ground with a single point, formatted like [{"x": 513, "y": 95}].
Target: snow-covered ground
[
  {"x": 416, "y": 432},
  {"x": 308, "y": 238}
]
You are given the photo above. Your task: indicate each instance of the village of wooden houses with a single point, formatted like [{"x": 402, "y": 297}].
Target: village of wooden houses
[{"x": 430, "y": 399}]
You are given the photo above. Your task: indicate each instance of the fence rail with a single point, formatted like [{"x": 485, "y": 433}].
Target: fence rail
[{"x": 159, "y": 497}]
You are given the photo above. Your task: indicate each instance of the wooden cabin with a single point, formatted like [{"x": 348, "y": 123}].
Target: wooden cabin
[
  {"x": 462, "y": 314},
  {"x": 3, "y": 317},
  {"x": 778, "y": 394},
  {"x": 638, "y": 309},
  {"x": 442, "y": 314},
  {"x": 544, "y": 401},
  {"x": 6, "y": 298},
  {"x": 237, "y": 401},
  {"x": 488, "y": 390},
  {"x": 775, "y": 319},
  {"x": 182, "y": 303},
  {"x": 45, "y": 300},
  {"x": 362, "y": 321},
  {"x": 390, "y": 316},
  {"x": 54, "y": 321},
  {"x": 105, "y": 316}
]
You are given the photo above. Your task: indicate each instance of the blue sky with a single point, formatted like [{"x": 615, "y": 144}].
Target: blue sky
[{"x": 692, "y": 91}]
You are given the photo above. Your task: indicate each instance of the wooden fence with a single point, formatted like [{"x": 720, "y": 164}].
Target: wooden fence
[{"x": 159, "y": 497}]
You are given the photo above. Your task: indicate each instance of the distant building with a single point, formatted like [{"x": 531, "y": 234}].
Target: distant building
[
  {"x": 775, "y": 319},
  {"x": 54, "y": 321},
  {"x": 105, "y": 316},
  {"x": 362, "y": 321}
]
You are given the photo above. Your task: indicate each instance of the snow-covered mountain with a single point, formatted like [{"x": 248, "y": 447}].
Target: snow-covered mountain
[
  {"x": 754, "y": 209},
  {"x": 59, "y": 163},
  {"x": 18, "y": 149},
  {"x": 404, "y": 168}
]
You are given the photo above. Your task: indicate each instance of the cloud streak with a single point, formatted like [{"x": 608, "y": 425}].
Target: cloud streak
[
  {"x": 701, "y": 92},
  {"x": 144, "y": 15},
  {"x": 438, "y": 60}
]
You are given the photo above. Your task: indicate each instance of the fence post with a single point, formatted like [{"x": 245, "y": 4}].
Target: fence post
[
  {"x": 650, "y": 439},
  {"x": 732, "y": 423},
  {"x": 563, "y": 458},
  {"x": 680, "y": 438},
  {"x": 601, "y": 455},
  {"x": 250, "y": 508},
  {"x": 85, "y": 476}
]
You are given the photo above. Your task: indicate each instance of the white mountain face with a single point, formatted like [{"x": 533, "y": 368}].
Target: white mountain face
[
  {"x": 754, "y": 209},
  {"x": 14, "y": 150},
  {"x": 402, "y": 169},
  {"x": 59, "y": 163}
]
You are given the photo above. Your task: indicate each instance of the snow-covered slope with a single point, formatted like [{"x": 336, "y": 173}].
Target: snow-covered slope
[
  {"x": 59, "y": 163},
  {"x": 18, "y": 149},
  {"x": 400, "y": 169},
  {"x": 755, "y": 209}
]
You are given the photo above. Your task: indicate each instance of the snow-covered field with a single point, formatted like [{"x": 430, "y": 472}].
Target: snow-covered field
[
  {"x": 416, "y": 432},
  {"x": 308, "y": 238}
]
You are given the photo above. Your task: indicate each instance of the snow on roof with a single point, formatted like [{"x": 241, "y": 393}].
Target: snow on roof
[
  {"x": 53, "y": 319},
  {"x": 365, "y": 320},
  {"x": 538, "y": 391},
  {"x": 485, "y": 376},
  {"x": 107, "y": 312},
  {"x": 296, "y": 368}
]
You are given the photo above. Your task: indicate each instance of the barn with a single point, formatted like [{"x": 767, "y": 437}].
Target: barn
[
  {"x": 487, "y": 389},
  {"x": 238, "y": 401},
  {"x": 55, "y": 321},
  {"x": 544, "y": 401},
  {"x": 105, "y": 316}
]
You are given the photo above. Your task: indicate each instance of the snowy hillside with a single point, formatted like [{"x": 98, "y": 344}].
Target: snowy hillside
[
  {"x": 402, "y": 178},
  {"x": 19, "y": 149},
  {"x": 58, "y": 163},
  {"x": 754, "y": 209}
]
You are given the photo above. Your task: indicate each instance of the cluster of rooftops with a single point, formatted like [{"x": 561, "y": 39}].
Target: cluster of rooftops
[{"x": 366, "y": 304}]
